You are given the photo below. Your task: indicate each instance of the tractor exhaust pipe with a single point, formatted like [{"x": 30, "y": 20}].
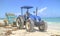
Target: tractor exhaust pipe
[
  {"x": 21, "y": 11},
  {"x": 36, "y": 11}
]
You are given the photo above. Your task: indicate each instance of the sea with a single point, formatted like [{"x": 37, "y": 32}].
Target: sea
[{"x": 52, "y": 19}]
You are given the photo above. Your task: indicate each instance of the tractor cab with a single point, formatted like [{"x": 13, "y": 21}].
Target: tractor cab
[
  {"x": 29, "y": 15},
  {"x": 26, "y": 14},
  {"x": 27, "y": 8}
]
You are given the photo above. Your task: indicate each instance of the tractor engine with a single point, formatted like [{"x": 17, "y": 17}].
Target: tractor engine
[{"x": 35, "y": 18}]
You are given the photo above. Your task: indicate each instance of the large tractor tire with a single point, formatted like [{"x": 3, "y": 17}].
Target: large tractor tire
[
  {"x": 29, "y": 25},
  {"x": 42, "y": 26},
  {"x": 20, "y": 23}
]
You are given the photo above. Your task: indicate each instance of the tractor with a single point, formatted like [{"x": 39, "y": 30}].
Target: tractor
[{"x": 30, "y": 21}]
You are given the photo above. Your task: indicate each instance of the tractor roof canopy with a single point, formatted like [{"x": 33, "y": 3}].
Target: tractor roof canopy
[{"x": 26, "y": 7}]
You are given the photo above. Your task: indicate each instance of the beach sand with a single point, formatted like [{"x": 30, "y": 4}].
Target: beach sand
[{"x": 52, "y": 30}]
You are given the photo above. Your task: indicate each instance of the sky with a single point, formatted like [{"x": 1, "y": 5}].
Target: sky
[{"x": 46, "y": 8}]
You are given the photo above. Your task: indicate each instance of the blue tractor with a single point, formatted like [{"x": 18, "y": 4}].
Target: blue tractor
[{"x": 29, "y": 21}]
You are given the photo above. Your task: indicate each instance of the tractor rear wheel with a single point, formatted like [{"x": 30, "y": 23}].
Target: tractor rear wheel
[
  {"x": 42, "y": 26},
  {"x": 20, "y": 23},
  {"x": 29, "y": 25}
]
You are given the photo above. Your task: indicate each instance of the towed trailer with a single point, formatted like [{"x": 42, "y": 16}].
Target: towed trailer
[{"x": 10, "y": 19}]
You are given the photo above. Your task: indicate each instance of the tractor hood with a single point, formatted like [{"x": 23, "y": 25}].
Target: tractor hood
[{"x": 34, "y": 17}]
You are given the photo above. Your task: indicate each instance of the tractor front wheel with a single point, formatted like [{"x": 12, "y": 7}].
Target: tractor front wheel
[
  {"x": 20, "y": 23},
  {"x": 29, "y": 25},
  {"x": 42, "y": 26}
]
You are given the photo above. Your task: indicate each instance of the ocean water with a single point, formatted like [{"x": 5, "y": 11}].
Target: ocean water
[{"x": 55, "y": 19}]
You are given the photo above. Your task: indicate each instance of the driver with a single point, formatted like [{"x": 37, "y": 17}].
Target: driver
[{"x": 26, "y": 15}]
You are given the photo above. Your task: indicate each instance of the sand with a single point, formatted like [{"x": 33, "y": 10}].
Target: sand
[
  {"x": 52, "y": 30},
  {"x": 49, "y": 32}
]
